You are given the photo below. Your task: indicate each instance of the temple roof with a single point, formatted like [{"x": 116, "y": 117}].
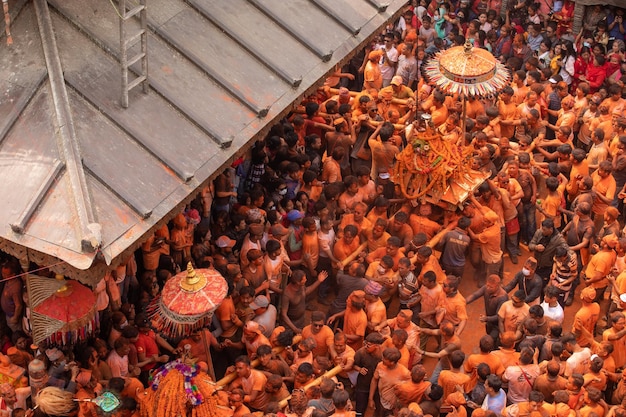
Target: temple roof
[{"x": 86, "y": 180}]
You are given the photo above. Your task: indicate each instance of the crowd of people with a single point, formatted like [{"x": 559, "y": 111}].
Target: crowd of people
[{"x": 332, "y": 272}]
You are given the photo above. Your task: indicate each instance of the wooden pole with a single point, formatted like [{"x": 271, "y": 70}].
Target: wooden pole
[
  {"x": 461, "y": 139},
  {"x": 300, "y": 110},
  {"x": 355, "y": 93},
  {"x": 7, "y": 21},
  {"x": 433, "y": 242},
  {"x": 353, "y": 255},
  {"x": 233, "y": 375},
  {"x": 328, "y": 374}
]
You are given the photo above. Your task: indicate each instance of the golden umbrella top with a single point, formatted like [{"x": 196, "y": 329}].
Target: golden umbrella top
[{"x": 466, "y": 70}]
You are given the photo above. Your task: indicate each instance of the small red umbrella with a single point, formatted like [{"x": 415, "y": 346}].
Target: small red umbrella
[
  {"x": 62, "y": 312},
  {"x": 187, "y": 301}
]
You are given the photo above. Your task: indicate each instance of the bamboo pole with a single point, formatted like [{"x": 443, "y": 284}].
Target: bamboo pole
[
  {"x": 401, "y": 101},
  {"x": 233, "y": 375},
  {"x": 7, "y": 21},
  {"x": 353, "y": 255},
  {"x": 300, "y": 110},
  {"x": 433, "y": 242},
  {"x": 328, "y": 374}
]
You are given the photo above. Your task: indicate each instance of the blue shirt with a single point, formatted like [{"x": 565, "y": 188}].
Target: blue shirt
[{"x": 495, "y": 404}]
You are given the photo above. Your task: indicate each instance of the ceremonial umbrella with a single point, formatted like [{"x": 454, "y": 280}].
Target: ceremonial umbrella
[
  {"x": 436, "y": 168},
  {"x": 466, "y": 70},
  {"x": 62, "y": 311},
  {"x": 187, "y": 301}
]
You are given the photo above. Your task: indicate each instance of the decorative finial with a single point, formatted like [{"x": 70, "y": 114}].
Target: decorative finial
[
  {"x": 193, "y": 281},
  {"x": 467, "y": 46},
  {"x": 64, "y": 289}
]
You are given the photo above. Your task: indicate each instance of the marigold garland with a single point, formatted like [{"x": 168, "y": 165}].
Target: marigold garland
[
  {"x": 428, "y": 164},
  {"x": 178, "y": 390}
]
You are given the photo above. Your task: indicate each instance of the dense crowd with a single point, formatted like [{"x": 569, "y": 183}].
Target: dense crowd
[{"x": 329, "y": 265}]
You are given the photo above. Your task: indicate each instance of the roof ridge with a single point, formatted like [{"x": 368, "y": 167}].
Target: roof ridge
[{"x": 90, "y": 233}]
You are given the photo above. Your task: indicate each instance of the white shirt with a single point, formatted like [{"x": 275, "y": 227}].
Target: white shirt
[
  {"x": 386, "y": 70},
  {"x": 553, "y": 313},
  {"x": 326, "y": 242},
  {"x": 267, "y": 320}
]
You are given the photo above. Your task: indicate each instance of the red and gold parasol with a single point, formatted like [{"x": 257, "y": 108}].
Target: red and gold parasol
[
  {"x": 466, "y": 70},
  {"x": 62, "y": 311},
  {"x": 187, "y": 301}
]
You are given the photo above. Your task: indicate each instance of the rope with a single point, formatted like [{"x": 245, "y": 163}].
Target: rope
[{"x": 30, "y": 272}]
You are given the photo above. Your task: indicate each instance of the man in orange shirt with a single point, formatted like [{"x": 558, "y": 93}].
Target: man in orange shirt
[
  {"x": 438, "y": 111},
  {"x": 387, "y": 375},
  {"x": 372, "y": 77},
  {"x": 322, "y": 334},
  {"x": 489, "y": 241},
  {"x": 421, "y": 223},
  {"x": 507, "y": 353},
  {"x": 600, "y": 265},
  {"x": 374, "y": 307},
  {"x": 343, "y": 355},
  {"x": 354, "y": 319},
  {"x": 412, "y": 391},
  {"x": 382, "y": 272},
  {"x": 512, "y": 313},
  {"x": 586, "y": 317},
  {"x": 402, "y": 321},
  {"x": 391, "y": 248},
  {"x": 383, "y": 150},
  {"x": 252, "y": 382},
  {"x": 331, "y": 171},
  {"x": 376, "y": 237},
  {"x": 486, "y": 345},
  {"x": 452, "y": 307},
  {"x": 351, "y": 195},
  {"x": 507, "y": 111},
  {"x": 449, "y": 379},
  {"x": 531, "y": 102},
  {"x": 616, "y": 335},
  {"x": 356, "y": 218},
  {"x": 349, "y": 243},
  {"x": 604, "y": 186}
]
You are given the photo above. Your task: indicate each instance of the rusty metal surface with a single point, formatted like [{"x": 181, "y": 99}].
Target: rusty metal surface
[{"x": 221, "y": 72}]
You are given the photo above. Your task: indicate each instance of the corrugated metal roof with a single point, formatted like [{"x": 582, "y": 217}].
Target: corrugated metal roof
[{"x": 85, "y": 179}]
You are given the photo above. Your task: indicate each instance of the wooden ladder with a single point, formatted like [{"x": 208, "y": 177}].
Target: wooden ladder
[{"x": 127, "y": 41}]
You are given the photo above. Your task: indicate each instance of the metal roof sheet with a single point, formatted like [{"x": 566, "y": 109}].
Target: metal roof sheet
[{"x": 84, "y": 180}]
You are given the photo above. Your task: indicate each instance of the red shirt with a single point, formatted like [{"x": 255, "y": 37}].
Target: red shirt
[{"x": 146, "y": 343}]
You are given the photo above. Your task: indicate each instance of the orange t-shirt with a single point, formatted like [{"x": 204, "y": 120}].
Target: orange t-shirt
[
  {"x": 310, "y": 246},
  {"x": 455, "y": 308},
  {"x": 374, "y": 243},
  {"x": 224, "y": 313},
  {"x": 472, "y": 362},
  {"x": 619, "y": 347},
  {"x": 376, "y": 311},
  {"x": 421, "y": 224},
  {"x": 587, "y": 317},
  {"x": 439, "y": 115},
  {"x": 450, "y": 379},
  {"x": 405, "y": 355},
  {"x": 323, "y": 339},
  {"x": 507, "y": 112},
  {"x": 355, "y": 323},
  {"x": 342, "y": 250},
  {"x": 604, "y": 186},
  {"x": 387, "y": 381},
  {"x": 360, "y": 226},
  {"x": 372, "y": 76}
]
